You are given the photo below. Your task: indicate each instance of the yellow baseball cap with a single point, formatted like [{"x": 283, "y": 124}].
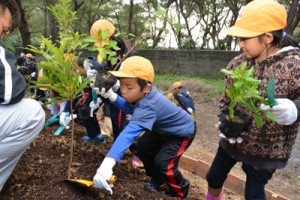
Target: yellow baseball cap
[
  {"x": 29, "y": 55},
  {"x": 102, "y": 25},
  {"x": 135, "y": 67},
  {"x": 259, "y": 17},
  {"x": 177, "y": 85}
]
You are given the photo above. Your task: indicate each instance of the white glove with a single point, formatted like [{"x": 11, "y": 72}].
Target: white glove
[
  {"x": 285, "y": 112},
  {"x": 190, "y": 110},
  {"x": 87, "y": 65},
  {"x": 110, "y": 94},
  {"x": 94, "y": 106},
  {"x": 33, "y": 74},
  {"x": 91, "y": 73},
  {"x": 104, "y": 173},
  {"x": 128, "y": 117},
  {"x": 116, "y": 86},
  {"x": 65, "y": 119}
]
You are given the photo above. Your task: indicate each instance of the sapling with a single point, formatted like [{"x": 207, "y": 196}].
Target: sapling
[
  {"x": 59, "y": 61},
  {"x": 244, "y": 93}
]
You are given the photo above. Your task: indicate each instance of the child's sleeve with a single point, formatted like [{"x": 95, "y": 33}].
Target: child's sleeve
[
  {"x": 124, "y": 140},
  {"x": 123, "y": 105}
]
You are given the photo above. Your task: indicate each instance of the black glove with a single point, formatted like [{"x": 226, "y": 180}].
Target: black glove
[{"x": 233, "y": 128}]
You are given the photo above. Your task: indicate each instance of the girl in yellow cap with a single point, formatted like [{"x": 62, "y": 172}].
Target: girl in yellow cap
[{"x": 268, "y": 48}]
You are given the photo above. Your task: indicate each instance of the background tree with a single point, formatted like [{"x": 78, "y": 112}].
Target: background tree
[{"x": 201, "y": 23}]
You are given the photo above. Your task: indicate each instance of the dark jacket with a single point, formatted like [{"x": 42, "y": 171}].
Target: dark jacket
[
  {"x": 269, "y": 146},
  {"x": 183, "y": 97},
  {"x": 12, "y": 83},
  {"x": 118, "y": 117},
  {"x": 31, "y": 67}
]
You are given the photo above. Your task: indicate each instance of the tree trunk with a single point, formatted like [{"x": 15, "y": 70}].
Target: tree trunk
[
  {"x": 130, "y": 14},
  {"x": 293, "y": 17},
  {"x": 24, "y": 29},
  {"x": 53, "y": 29}
]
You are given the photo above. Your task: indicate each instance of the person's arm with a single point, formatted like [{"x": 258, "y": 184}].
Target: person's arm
[
  {"x": 13, "y": 85},
  {"x": 124, "y": 140},
  {"x": 123, "y": 105},
  {"x": 115, "y": 99}
]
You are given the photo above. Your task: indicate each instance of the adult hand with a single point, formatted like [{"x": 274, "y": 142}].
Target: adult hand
[
  {"x": 285, "y": 112},
  {"x": 104, "y": 173},
  {"x": 94, "y": 106},
  {"x": 110, "y": 94}
]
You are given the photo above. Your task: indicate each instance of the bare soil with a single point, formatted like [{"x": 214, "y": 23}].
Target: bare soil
[{"x": 42, "y": 170}]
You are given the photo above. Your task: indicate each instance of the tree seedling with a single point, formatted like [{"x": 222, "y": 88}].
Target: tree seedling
[
  {"x": 59, "y": 61},
  {"x": 244, "y": 93}
]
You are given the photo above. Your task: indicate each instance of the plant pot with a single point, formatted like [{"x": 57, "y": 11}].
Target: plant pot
[
  {"x": 105, "y": 80},
  {"x": 233, "y": 128}
]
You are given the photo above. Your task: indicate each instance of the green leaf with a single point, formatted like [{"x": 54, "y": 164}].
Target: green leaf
[
  {"x": 269, "y": 115},
  {"x": 160, "y": 12},
  {"x": 225, "y": 71},
  {"x": 249, "y": 73},
  {"x": 244, "y": 91},
  {"x": 177, "y": 27},
  {"x": 258, "y": 120}
]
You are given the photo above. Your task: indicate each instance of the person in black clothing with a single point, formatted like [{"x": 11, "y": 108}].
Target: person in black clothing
[
  {"x": 85, "y": 106},
  {"x": 32, "y": 71}
]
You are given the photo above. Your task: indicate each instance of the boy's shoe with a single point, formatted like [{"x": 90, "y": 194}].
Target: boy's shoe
[
  {"x": 98, "y": 138},
  {"x": 151, "y": 185},
  {"x": 53, "y": 119},
  {"x": 163, "y": 188},
  {"x": 136, "y": 162}
]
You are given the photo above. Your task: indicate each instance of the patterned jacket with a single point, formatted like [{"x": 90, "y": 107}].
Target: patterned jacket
[{"x": 270, "y": 146}]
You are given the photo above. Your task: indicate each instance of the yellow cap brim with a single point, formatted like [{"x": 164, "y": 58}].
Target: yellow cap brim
[
  {"x": 122, "y": 74},
  {"x": 241, "y": 32}
]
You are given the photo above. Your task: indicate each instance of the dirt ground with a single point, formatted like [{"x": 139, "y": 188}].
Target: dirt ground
[{"x": 42, "y": 170}]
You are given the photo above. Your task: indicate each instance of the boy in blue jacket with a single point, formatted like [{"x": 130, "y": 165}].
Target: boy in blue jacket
[{"x": 167, "y": 129}]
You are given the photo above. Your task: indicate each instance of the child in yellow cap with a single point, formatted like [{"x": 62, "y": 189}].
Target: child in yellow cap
[
  {"x": 267, "y": 48},
  {"x": 167, "y": 129},
  {"x": 117, "y": 116},
  {"x": 183, "y": 98}
]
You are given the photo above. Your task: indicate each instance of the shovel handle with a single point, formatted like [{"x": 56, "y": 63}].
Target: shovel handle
[{"x": 112, "y": 179}]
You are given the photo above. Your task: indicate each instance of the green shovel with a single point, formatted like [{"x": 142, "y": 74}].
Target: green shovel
[{"x": 271, "y": 90}]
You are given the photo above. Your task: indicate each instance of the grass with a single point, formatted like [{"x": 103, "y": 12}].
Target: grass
[{"x": 212, "y": 86}]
